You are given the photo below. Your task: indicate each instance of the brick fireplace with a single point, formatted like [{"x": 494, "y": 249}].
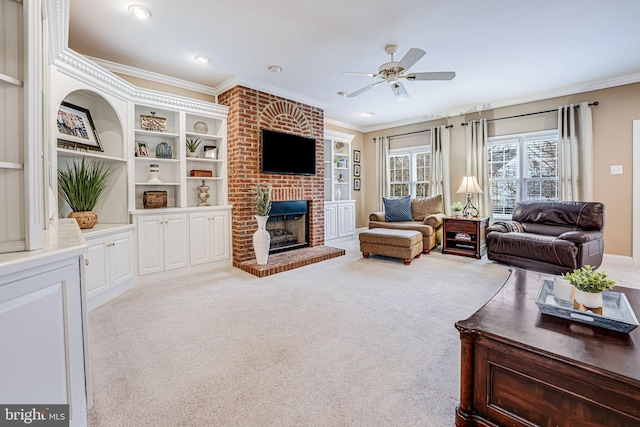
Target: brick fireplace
[{"x": 249, "y": 111}]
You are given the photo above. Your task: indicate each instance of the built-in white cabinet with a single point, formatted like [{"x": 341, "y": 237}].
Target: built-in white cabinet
[
  {"x": 209, "y": 237},
  {"x": 109, "y": 263},
  {"x": 162, "y": 242},
  {"x": 339, "y": 208}
]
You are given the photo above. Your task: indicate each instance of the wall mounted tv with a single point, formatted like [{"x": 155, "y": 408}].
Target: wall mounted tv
[{"x": 286, "y": 153}]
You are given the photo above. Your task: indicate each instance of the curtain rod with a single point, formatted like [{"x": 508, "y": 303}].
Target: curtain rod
[
  {"x": 593, "y": 104},
  {"x": 413, "y": 133}
]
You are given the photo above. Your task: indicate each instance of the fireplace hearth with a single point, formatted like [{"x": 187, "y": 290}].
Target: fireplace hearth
[{"x": 288, "y": 225}]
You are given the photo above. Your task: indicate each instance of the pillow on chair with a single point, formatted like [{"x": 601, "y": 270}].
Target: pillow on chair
[{"x": 397, "y": 209}]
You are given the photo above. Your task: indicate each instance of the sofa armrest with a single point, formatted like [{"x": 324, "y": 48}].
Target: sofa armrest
[
  {"x": 581, "y": 236},
  {"x": 377, "y": 216},
  {"x": 505, "y": 227},
  {"x": 434, "y": 220}
]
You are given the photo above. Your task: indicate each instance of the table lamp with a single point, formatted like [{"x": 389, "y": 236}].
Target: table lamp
[{"x": 469, "y": 185}]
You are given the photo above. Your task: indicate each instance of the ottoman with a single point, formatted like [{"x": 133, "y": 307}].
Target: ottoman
[{"x": 403, "y": 244}]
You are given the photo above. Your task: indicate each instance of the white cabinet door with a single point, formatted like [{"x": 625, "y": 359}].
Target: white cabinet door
[
  {"x": 330, "y": 221},
  {"x": 150, "y": 244},
  {"x": 97, "y": 268},
  {"x": 120, "y": 259},
  {"x": 175, "y": 241},
  {"x": 219, "y": 226},
  {"x": 199, "y": 238}
]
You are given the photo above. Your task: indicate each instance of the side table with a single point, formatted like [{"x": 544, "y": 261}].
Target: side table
[{"x": 465, "y": 236}]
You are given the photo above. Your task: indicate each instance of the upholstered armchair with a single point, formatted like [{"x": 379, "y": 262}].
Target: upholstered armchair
[
  {"x": 421, "y": 214},
  {"x": 552, "y": 237}
]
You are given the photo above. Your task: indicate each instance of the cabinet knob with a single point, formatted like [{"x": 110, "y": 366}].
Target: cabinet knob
[
  {"x": 459, "y": 227},
  {"x": 86, "y": 261}
]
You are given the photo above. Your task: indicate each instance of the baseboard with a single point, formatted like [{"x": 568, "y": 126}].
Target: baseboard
[{"x": 618, "y": 259}]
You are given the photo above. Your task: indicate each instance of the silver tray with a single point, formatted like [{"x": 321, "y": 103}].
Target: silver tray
[{"x": 617, "y": 313}]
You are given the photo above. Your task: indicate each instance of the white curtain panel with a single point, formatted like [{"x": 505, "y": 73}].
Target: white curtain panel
[
  {"x": 476, "y": 159},
  {"x": 575, "y": 153},
  {"x": 440, "y": 180},
  {"x": 382, "y": 167}
]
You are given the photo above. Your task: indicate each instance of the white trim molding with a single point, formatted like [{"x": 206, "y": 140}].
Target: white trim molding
[{"x": 635, "y": 191}]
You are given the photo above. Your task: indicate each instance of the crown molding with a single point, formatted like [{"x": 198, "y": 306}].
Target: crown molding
[
  {"x": 338, "y": 123},
  {"x": 554, "y": 93},
  {"x": 252, "y": 84},
  {"x": 154, "y": 77},
  {"x": 337, "y": 135}
]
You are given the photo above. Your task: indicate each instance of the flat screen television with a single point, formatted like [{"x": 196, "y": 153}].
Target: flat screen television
[{"x": 286, "y": 153}]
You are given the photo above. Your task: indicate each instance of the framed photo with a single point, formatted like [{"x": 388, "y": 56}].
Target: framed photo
[
  {"x": 210, "y": 151},
  {"x": 76, "y": 129},
  {"x": 356, "y": 170},
  {"x": 356, "y": 184},
  {"x": 356, "y": 156},
  {"x": 142, "y": 149}
]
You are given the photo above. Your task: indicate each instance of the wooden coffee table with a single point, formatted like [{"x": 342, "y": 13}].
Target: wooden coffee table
[{"x": 521, "y": 368}]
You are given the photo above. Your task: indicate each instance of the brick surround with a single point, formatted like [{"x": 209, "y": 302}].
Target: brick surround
[{"x": 249, "y": 111}]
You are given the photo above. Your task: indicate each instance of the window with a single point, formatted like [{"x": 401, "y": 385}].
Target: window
[
  {"x": 409, "y": 171},
  {"x": 522, "y": 167}
]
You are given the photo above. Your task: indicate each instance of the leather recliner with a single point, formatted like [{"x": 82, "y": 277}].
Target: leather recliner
[{"x": 552, "y": 237}]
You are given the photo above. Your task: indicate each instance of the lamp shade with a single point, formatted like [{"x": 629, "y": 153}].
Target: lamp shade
[{"x": 469, "y": 184}]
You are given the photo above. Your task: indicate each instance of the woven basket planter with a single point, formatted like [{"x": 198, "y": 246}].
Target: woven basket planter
[{"x": 86, "y": 219}]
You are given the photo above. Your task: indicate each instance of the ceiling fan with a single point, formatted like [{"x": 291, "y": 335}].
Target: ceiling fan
[{"x": 393, "y": 71}]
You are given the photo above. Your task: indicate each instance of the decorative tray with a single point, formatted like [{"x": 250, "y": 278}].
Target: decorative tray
[{"x": 617, "y": 313}]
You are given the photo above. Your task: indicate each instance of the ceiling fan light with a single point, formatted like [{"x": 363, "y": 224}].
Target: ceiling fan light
[
  {"x": 202, "y": 59},
  {"x": 139, "y": 12}
]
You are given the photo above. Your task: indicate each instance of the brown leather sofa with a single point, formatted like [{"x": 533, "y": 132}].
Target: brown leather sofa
[
  {"x": 427, "y": 214},
  {"x": 552, "y": 237}
]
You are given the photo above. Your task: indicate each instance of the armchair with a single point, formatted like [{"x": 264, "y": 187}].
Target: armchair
[
  {"x": 426, "y": 214},
  {"x": 552, "y": 237}
]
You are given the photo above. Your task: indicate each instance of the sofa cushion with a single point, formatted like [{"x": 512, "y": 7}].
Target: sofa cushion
[
  {"x": 583, "y": 215},
  {"x": 539, "y": 247},
  {"x": 397, "y": 209},
  {"x": 424, "y": 206}
]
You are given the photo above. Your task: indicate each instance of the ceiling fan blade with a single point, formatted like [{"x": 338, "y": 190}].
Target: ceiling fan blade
[
  {"x": 411, "y": 58},
  {"x": 441, "y": 75},
  {"x": 364, "y": 89},
  {"x": 356, "y": 73},
  {"x": 399, "y": 91}
]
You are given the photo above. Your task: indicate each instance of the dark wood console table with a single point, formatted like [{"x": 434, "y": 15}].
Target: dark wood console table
[{"x": 520, "y": 367}]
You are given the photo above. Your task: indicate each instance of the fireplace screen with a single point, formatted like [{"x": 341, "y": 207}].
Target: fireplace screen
[{"x": 288, "y": 225}]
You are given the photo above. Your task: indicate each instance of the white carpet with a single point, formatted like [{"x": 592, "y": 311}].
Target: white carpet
[{"x": 345, "y": 342}]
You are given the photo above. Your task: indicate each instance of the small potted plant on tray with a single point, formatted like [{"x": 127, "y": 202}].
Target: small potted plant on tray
[{"x": 589, "y": 285}]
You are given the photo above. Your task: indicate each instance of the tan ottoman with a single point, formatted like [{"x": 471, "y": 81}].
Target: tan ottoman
[{"x": 403, "y": 244}]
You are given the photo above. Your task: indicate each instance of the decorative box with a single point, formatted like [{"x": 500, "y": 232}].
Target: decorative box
[
  {"x": 201, "y": 173},
  {"x": 153, "y": 123},
  {"x": 154, "y": 199}
]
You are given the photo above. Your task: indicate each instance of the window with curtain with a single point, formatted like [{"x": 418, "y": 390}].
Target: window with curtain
[
  {"x": 409, "y": 171},
  {"x": 522, "y": 167}
]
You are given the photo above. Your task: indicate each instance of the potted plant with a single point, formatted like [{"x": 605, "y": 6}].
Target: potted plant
[
  {"x": 82, "y": 185},
  {"x": 192, "y": 146},
  {"x": 262, "y": 238},
  {"x": 457, "y": 208},
  {"x": 589, "y": 285}
]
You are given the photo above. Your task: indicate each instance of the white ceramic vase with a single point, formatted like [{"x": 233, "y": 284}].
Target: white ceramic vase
[
  {"x": 261, "y": 240},
  {"x": 562, "y": 289},
  {"x": 588, "y": 299}
]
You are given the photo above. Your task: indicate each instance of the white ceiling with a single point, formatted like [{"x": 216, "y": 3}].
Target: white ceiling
[{"x": 503, "y": 51}]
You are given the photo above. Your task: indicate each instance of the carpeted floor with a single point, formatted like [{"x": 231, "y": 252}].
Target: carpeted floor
[{"x": 345, "y": 342}]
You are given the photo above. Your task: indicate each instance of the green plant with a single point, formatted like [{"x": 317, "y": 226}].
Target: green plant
[
  {"x": 457, "y": 207},
  {"x": 82, "y": 185},
  {"x": 192, "y": 144},
  {"x": 263, "y": 199},
  {"x": 588, "y": 280}
]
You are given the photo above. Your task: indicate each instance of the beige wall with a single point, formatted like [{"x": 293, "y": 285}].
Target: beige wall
[
  {"x": 612, "y": 137},
  {"x": 160, "y": 87}
]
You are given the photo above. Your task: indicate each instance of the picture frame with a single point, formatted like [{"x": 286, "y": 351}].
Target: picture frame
[
  {"x": 356, "y": 170},
  {"x": 356, "y": 156},
  {"x": 210, "y": 151},
  {"x": 356, "y": 184},
  {"x": 141, "y": 149},
  {"x": 75, "y": 128}
]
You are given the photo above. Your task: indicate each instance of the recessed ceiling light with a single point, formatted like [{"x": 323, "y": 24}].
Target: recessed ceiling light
[
  {"x": 202, "y": 59},
  {"x": 369, "y": 114},
  {"x": 139, "y": 12},
  {"x": 342, "y": 93},
  {"x": 274, "y": 68}
]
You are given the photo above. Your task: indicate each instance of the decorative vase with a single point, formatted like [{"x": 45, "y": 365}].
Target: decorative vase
[
  {"x": 562, "y": 289},
  {"x": 338, "y": 194},
  {"x": 154, "y": 171},
  {"x": 192, "y": 154},
  {"x": 200, "y": 127},
  {"x": 85, "y": 219},
  {"x": 457, "y": 214},
  {"x": 588, "y": 299},
  {"x": 164, "y": 151},
  {"x": 203, "y": 194},
  {"x": 261, "y": 240}
]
